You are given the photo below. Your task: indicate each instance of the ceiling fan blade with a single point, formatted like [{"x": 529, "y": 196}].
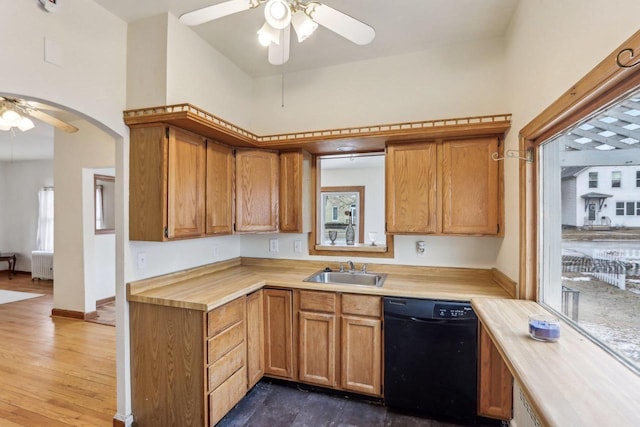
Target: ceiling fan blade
[
  {"x": 50, "y": 120},
  {"x": 342, "y": 24},
  {"x": 200, "y": 16},
  {"x": 279, "y": 53}
]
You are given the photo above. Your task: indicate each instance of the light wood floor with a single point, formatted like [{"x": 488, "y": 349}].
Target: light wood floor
[{"x": 53, "y": 371}]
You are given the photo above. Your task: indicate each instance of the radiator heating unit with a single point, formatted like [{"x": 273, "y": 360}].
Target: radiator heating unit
[{"x": 41, "y": 265}]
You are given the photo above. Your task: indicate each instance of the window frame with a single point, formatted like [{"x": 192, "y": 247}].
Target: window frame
[{"x": 605, "y": 85}]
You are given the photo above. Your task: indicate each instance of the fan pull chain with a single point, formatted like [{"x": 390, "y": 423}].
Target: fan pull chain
[{"x": 282, "y": 85}]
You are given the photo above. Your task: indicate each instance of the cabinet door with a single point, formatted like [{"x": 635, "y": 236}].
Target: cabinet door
[
  {"x": 219, "y": 198},
  {"x": 278, "y": 345},
  {"x": 147, "y": 183},
  {"x": 256, "y": 191},
  {"x": 185, "y": 183},
  {"x": 255, "y": 337},
  {"x": 470, "y": 186},
  {"x": 291, "y": 192},
  {"x": 411, "y": 188},
  {"x": 361, "y": 354},
  {"x": 495, "y": 382},
  {"x": 317, "y": 351}
]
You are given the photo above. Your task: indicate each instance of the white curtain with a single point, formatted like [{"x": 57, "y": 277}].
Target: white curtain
[
  {"x": 44, "y": 240},
  {"x": 99, "y": 208}
]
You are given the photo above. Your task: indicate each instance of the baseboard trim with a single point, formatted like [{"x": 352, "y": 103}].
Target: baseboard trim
[
  {"x": 74, "y": 314},
  {"x": 104, "y": 301}
]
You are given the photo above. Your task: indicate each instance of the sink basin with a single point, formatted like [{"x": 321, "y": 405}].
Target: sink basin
[{"x": 347, "y": 278}]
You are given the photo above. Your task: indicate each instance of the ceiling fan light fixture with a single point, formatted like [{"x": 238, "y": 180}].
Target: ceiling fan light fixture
[
  {"x": 277, "y": 13},
  {"x": 267, "y": 35},
  {"x": 303, "y": 25},
  {"x": 12, "y": 118},
  {"x": 25, "y": 124}
]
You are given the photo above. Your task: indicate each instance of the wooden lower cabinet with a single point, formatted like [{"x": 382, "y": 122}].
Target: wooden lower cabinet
[
  {"x": 495, "y": 382},
  {"x": 278, "y": 338},
  {"x": 361, "y": 351},
  {"x": 317, "y": 348},
  {"x": 340, "y": 341},
  {"x": 255, "y": 337},
  {"x": 188, "y": 366}
]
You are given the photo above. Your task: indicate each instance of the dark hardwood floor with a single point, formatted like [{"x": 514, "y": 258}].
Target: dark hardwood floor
[
  {"x": 271, "y": 404},
  {"x": 54, "y": 371}
]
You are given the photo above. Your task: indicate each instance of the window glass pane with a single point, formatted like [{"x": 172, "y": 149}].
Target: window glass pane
[
  {"x": 630, "y": 208},
  {"x": 616, "y": 178},
  {"x": 589, "y": 269}
]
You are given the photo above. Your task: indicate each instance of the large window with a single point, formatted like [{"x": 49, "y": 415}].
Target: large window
[{"x": 589, "y": 243}]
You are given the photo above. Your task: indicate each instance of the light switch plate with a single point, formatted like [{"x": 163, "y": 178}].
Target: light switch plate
[
  {"x": 273, "y": 245},
  {"x": 142, "y": 260},
  {"x": 297, "y": 246}
]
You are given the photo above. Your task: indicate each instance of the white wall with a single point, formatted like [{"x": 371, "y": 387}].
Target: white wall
[
  {"x": 20, "y": 183},
  {"x": 453, "y": 81},
  {"x": 550, "y": 46},
  {"x": 73, "y": 264}
]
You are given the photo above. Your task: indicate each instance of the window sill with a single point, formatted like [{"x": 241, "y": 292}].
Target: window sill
[
  {"x": 352, "y": 248},
  {"x": 572, "y": 368}
]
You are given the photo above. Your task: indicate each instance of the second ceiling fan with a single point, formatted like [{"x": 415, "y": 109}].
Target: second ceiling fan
[{"x": 280, "y": 15}]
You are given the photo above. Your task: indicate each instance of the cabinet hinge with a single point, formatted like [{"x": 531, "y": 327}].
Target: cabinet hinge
[
  {"x": 498, "y": 227},
  {"x": 166, "y": 232},
  {"x": 166, "y": 132},
  {"x": 234, "y": 225}
]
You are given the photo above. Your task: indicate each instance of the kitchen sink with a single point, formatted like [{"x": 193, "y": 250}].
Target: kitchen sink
[{"x": 348, "y": 278}]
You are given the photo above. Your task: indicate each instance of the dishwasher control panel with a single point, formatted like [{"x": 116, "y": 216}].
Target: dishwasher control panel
[{"x": 453, "y": 311}]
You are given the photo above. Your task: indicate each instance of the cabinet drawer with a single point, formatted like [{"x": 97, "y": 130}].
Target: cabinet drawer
[
  {"x": 222, "y": 399},
  {"x": 220, "y": 345},
  {"x": 225, "y": 366},
  {"x": 364, "y": 305},
  {"x": 221, "y": 318},
  {"x": 318, "y": 301}
]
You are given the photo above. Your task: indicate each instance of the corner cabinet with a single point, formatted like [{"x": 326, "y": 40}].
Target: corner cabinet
[
  {"x": 257, "y": 177},
  {"x": 449, "y": 187},
  {"x": 167, "y": 184}
]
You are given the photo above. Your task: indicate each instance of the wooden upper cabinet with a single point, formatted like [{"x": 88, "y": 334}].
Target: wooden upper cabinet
[
  {"x": 291, "y": 185},
  {"x": 256, "y": 191},
  {"x": 411, "y": 188},
  {"x": 219, "y": 189},
  {"x": 444, "y": 187},
  {"x": 186, "y": 184},
  {"x": 166, "y": 186},
  {"x": 470, "y": 187}
]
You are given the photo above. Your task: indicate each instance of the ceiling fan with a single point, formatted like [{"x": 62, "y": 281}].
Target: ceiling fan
[
  {"x": 14, "y": 113},
  {"x": 280, "y": 15}
]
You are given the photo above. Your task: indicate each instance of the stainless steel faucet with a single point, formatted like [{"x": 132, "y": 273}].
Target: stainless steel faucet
[{"x": 352, "y": 268}]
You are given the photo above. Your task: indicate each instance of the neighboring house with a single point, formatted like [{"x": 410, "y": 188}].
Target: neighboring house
[{"x": 601, "y": 196}]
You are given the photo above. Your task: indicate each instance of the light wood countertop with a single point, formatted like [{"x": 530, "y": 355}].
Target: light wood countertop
[
  {"x": 208, "y": 287},
  {"x": 572, "y": 382}
]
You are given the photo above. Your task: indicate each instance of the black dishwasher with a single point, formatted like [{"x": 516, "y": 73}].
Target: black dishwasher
[{"x": 430, "y": 359}]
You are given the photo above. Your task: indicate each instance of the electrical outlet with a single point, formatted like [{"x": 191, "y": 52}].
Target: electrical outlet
[
  {"x": 273, "y": 245},
  {"x": 297, "y": 246},
  {"x": 142, "y": 260},
  {"x": 216, "y": 252},
  {"x": 420, "y": 248}
]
